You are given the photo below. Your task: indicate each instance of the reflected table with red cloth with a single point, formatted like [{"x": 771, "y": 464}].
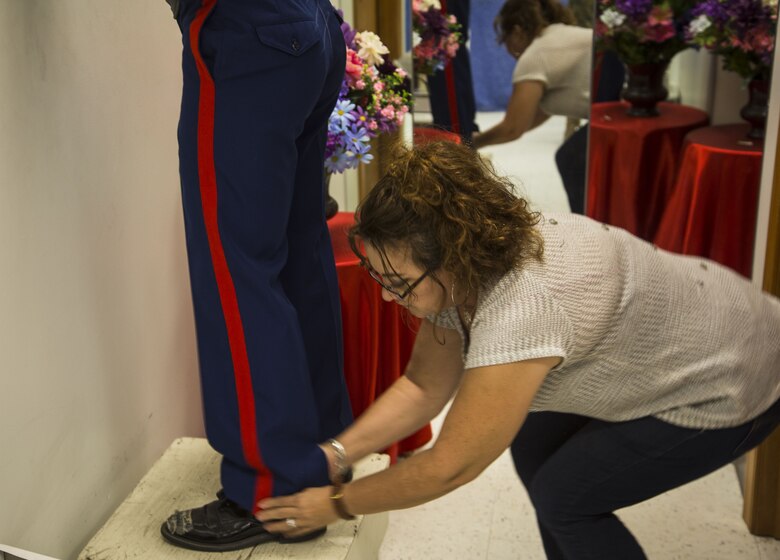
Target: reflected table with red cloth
[
  {"x": 633, "y": 163},
  {"x": 712, "y": 211},
  {"x": 423, "y": 134},
  {"x": 378, "y": 334}
]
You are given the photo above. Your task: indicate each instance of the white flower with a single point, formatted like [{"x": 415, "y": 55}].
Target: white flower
[
  {"x": 699, "y": 25},
  {"x": 612, "y": 18},
  {"x": 425, "y": 5},
  {"x": 371, "y": 47}
]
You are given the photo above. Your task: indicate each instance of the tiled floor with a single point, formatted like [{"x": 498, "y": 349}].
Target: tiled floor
[{"x": 492, "y": 519}]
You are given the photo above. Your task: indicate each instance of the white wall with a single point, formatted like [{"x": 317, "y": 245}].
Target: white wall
[
  {"x": 98, "y": 370},
  {"x": 697, "y": 78}
]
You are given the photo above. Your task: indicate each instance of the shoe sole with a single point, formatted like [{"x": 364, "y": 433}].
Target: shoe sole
[{"x": 248, "y": 542}]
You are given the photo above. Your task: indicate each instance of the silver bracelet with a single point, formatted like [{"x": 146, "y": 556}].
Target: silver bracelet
[{"x": 340, "y": 463}]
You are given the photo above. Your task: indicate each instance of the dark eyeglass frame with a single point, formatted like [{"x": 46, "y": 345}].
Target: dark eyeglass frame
[{"x": 374, "y": 274}]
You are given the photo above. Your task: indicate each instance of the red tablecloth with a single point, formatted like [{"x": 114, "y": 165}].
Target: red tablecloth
[
  {"x": 633, "y": 163},
  {"x": 426, "y": 134},
  {"x": 712, "y": 211},
  {"x": 378, "y": 335}
]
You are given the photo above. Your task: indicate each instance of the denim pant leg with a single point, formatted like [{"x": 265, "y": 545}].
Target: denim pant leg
[{"x": 606, "y": 466}]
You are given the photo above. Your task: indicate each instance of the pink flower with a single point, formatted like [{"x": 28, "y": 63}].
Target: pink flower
[
  {"x": 354, "y": 65},
  {"x": 424, "y": 50},
  {"x": 372, "y": 125},
  {"x": 659, "y": 33},
  {"x": 660, "y": 15},
  {"x": 452, "y": 46},
  {"x": 379, "y": 86},
  {"x": 660, "y": 25},
  {"x": 388, "y": 112},
  {"x": 360, "y": 84},
  {"x": 759, "y": 41}
]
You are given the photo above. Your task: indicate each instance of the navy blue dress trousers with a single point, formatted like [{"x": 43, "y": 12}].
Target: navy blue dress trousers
[
  {"x": 261, "y": 78},
  {"x": 451, "y": 90}
]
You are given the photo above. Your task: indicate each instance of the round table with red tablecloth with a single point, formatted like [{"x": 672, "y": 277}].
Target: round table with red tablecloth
[
  {"x": 378, "y": 334},
  {"x": 633, "y": 162},
  {"x": 712, "y": 210}
]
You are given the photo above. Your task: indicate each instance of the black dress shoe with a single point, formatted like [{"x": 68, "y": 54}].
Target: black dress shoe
[{"x": 220, "y": 526}]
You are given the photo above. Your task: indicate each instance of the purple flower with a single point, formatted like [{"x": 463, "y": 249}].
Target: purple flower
[
  {"x": 361, "y": 118},
  {"x": 337, "y": 162},
  {"x": 342, "y": 113},
  {"x": 363, "y": 156},
  {"x": 356, "y": 137},
  {"x": 348, "y": 32},
  {"x": 435, "y": 22},
  {"x": 741, "y": 31},
  {"x": 635, "y": 9}
]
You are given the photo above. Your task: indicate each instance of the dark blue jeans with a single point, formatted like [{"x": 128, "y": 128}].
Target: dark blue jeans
[{"x": 578, "y": 471}]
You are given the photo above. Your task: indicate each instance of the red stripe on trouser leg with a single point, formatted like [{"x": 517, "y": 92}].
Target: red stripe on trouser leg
[
  {"x": 227, "y": 293},
  {"x": 449, "y": 77},
  {"x": 452, "y": 98}
]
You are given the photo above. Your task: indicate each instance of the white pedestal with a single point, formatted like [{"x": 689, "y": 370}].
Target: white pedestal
[{"x": 187, "y": 476}]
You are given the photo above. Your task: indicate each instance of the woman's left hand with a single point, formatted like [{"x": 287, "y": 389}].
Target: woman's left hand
[{"x": 299, "y": 513}]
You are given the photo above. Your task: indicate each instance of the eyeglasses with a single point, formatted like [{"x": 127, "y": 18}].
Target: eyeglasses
[{"x": 394, "y": 291}]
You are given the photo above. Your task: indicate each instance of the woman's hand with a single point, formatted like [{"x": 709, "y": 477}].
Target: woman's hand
[{"x": 299, "y": 513}]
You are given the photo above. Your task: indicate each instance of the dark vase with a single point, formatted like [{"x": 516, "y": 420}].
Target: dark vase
[
  {"x": 331, "y": 206},
  {"x": 756, "y": 110},
  {"x": 645, "y": 88}
]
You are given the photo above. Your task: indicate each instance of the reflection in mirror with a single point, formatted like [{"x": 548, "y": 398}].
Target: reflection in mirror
[
  {"x": 526, "y": 68},
  {"x": 442, "y": 69},
  {"x": 678, "y": 161}
]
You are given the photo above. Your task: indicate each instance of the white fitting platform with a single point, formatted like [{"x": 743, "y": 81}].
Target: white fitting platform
[{"x": 186, "y": 476}]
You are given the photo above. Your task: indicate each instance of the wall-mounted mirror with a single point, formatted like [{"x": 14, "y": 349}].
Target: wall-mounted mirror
[
  {"x": 678, "y": 161},
  {"x": 574, "y": 116},
  {"x": 682, "y": 169}
]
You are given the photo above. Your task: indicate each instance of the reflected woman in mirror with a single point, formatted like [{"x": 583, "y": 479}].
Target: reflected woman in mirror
[
  {"x": 612, "y": 371},
  {"x": 552, "y": 77}
]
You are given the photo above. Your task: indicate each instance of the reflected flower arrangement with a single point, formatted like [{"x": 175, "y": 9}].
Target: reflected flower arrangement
[
  {"x": 375, "y": 97},
  {"x": 741, "y": 31},
  {"x": 438, "y": 36},
  {"x": 643, "y": 31}
]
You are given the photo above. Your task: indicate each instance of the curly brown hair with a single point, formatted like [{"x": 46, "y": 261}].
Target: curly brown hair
[
  {"x": 453, "y": 211},
  {"x": 532, "y": 16}
]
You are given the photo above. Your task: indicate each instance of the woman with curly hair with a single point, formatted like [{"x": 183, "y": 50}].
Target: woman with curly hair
[{"x": 613, "y": 371}]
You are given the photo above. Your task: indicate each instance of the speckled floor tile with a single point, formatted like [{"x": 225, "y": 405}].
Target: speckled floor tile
[
  {"x": 456, "y": 526},
  {"x": 768, "y": 548},
  {"x": 702, "y": 519},
  {"x": 510, "y": 549}
]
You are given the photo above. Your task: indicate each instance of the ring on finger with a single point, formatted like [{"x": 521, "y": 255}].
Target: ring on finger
[{"x": 291, "y": 522}]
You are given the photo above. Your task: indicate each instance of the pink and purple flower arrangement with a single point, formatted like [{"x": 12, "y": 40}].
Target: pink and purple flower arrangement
[
  {"x": 643, "y": 31},
  {"x": 741, "y": 31},
  {"x": 439, "y": 36},
  {"x": 375, "y": 97}
]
